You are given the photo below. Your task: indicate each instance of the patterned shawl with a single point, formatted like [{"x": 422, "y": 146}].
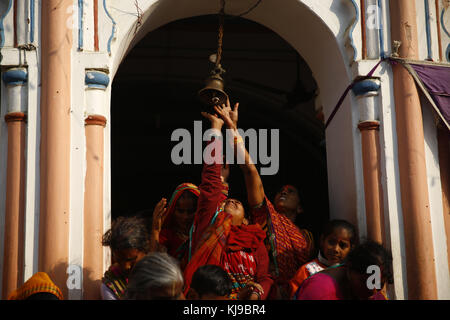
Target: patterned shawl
[
  {"x": 229, "y": 247},
  {"x": 288, "y": 246},
  {"x": 115, "y": 280}
]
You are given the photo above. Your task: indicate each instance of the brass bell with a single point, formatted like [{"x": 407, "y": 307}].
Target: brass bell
[{"x": 212, "y": 94}]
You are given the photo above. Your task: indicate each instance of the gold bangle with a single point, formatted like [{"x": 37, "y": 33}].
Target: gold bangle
[
  {"x": 258, "y": 294},
  {"x": 238, "y": 140}
]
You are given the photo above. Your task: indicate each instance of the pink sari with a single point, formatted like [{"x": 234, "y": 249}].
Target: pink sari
[{"x": 322, "y": 286}]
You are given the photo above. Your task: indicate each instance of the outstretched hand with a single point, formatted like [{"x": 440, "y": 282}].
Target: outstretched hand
[
  {"x": 229, "y": 116},
  {"x": 159, "y": 215},
  {"x": 216, "y": 122}
]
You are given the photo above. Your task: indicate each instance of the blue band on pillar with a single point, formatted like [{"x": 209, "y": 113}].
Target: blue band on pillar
[
  {"x": 365, "y": 86},
  {"x": 96, "y": 79},
  {"x": 15, "y": 77}
]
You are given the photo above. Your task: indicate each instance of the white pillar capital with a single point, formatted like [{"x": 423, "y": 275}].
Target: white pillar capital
[
  {"x": 15, "y": 80},
  {"x": 96, "y": 84},
  {"x": 366, "y": 92}
]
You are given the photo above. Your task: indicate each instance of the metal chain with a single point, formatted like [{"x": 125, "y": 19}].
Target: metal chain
[{"x": 220, "y": 36}]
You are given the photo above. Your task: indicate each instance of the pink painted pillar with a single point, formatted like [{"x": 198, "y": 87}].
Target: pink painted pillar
[
  {"x": 13, "y": 254},
  {"x": 366, "y": 93},
  {"x": 96, "y": 84},
  {"x": 444, "y": 166},
  {"x": 420, "y": 266},
  {"x": 55, "y": 105}
]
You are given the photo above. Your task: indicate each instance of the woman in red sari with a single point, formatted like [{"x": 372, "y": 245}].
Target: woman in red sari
[
  {"x": 289, "y": 247},
  {"x": 171, "y": 225},
  {"x": 221, "y": 234}
]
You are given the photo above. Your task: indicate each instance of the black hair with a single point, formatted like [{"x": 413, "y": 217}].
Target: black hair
[
  {"x": 42, "y": 296},
  {"x": 211, "y": 279},
  {"x": 333, "y": 225},
  {"x": 371, "y": 253},
  {"x": 127, "y": 233}
]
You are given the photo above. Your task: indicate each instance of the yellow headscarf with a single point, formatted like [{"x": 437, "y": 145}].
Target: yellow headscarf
[{"x": 39, "y": 282}]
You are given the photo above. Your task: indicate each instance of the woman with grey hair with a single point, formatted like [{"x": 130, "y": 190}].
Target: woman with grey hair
[{"x": 157, "y": 276}]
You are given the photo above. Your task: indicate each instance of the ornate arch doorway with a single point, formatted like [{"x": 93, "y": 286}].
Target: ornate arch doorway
[{"x": 160, "y": 78}]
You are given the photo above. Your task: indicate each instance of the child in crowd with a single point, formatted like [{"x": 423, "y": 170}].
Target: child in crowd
[
  {"x": 210, "y": 282},
  {"x": 129, "y": 241},
  {"x": 157, "y": 276},
  {"x": 338, "y": 237},
  {"x": 367, "y": 269}
]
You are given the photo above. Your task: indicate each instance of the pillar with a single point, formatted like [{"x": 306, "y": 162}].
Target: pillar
[
  {"x": 444, "y": 167},
  {"x": 420, "y": 266},
  {"x": 55, "y": 108},
  {"x": 13, "y": 260},
  {"x": 96, "y": 84},
  {"x": 366, "y": 93}
]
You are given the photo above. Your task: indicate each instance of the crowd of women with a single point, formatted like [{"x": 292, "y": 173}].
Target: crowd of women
[{"x": 202, "y": 244}]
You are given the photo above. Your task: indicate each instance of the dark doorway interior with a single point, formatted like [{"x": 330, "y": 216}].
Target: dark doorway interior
[{"x": 154, "y": 93}]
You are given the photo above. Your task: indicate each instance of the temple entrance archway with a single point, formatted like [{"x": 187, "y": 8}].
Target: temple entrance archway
[
  {"x": 317, "y": 35},
  {"x": 160, "y": 77}
]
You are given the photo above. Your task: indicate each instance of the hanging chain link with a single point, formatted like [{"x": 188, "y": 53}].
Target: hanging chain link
[
  {"x": 220, "y": 36},
  {"x": 218, "y": 67}
]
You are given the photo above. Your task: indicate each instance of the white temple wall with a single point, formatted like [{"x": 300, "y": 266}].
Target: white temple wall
[{"x": 337, "y": 43}]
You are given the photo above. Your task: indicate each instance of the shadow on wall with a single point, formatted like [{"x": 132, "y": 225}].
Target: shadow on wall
[{"x": 77, "y": 284}]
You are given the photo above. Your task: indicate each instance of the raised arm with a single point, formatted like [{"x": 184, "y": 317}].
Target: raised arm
[
  {"x": 211, "y": 186},
  {"x": 253, "y": 183},
  {"x": 159, "y": 215}
]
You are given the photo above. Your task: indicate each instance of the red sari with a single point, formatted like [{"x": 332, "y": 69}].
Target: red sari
[
  {"x": 176, "y": 246},
  {"x": 239, "y": 250},
  {"x": 289, "y": 247},
  {"x": 322, "y": 286}
]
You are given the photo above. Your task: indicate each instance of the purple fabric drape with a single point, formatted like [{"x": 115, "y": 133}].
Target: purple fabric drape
[{"x": 436, "y": 80}]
